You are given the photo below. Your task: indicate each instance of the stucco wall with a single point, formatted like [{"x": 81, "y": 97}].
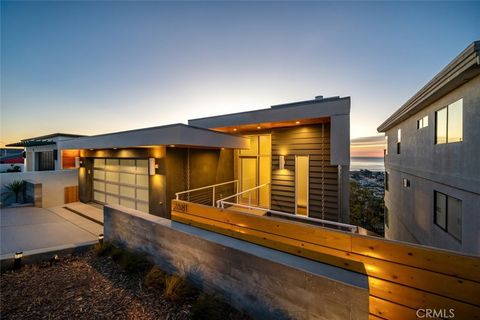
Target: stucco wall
[
  {"x": 53, "y": 183},
  {"x": 450, "y": 168},
  {"x": 265, "y": 283}
]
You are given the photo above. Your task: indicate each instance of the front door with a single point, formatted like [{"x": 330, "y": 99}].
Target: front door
[
  {"x": 301, "y": 185},
  {"x": 248, "y": 180}
]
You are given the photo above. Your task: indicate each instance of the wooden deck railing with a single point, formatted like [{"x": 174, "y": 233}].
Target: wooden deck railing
[{"x": 402, "y": 277}]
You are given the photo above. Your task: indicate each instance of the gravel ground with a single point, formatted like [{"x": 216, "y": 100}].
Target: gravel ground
[{"x": 83, "y": 287}]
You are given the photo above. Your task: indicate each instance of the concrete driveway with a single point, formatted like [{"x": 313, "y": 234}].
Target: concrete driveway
[{"x": 31, "y": 229}]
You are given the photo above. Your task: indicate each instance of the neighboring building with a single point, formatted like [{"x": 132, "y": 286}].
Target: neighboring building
[
  {"x": 432, "y": 161},
  {"x": 42, "y": 153},
  {"x": 11, "y": 156},
  {"x": 296, "y": 156}
]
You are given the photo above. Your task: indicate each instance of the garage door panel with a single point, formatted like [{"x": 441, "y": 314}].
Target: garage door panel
[
  {"x": 99, "y": 185},
  {"x": 142, "y": 206},
  {"x": 111, "y": 188},
  {"x": 142, "y": 166},
  {"x": 127, "y": 203},
  {"x": 99, "y": 196},
  {"x": 112, "y": 165},
  {"x": 142, "y": 180},
  {"x": 112, "y": 176},
  {"x": 127, "y": 191},
  {"x": 112, "y": 199},
  {"x": 99, "y": 163},
  {"x": 127, "y": 178},
  {"x": 98, "y": 174},
  {"x": 142, "y": 194}
]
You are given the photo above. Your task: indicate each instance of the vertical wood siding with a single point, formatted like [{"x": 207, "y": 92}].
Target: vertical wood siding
[{"x": 305, "y": 140}]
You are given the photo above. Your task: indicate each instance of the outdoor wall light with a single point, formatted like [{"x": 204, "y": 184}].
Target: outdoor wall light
[
  {"x": 258, "y": 127},
  {"x": 17, "y": 260},
  {"x": 100, "y": 239},
  {"x": 281, "y": 162},
  {"x": 152, "y": 167}
]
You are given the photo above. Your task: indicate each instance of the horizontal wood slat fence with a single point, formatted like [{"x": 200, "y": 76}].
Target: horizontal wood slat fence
[{"x": 402, "y": 277}]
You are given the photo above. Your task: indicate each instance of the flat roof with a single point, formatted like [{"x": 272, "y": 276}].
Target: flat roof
[
  {"x": 309, "y": 109},
  {"x": 463, "y": 68},
  {"x": 178, "y": 134}
]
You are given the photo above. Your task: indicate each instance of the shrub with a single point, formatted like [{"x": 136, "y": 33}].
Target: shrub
[
  {"x": 177, "y": 288},
  {"x": 13, "y": 188},
  {"x": 131, "y": 262},
  {"x": 207, "y": 307},
  {"x": 155, "y": 279},
  {"x": 103, "y": 249}
]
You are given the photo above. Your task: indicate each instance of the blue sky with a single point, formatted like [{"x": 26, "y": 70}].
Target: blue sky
[{"x": 95, "y": 67}]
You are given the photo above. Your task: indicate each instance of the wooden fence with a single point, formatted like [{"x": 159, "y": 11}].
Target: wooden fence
[{"x": 402, "y": 277}]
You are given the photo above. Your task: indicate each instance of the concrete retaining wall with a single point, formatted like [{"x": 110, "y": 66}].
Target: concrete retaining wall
[
  {"x": 265, "y": 283},
  {"x": 53, "y": 183}
]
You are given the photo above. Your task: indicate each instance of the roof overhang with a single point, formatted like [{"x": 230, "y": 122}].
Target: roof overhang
[
  {"x": 462, "y": 69},
  {"x": 312, "y": 111},
  {"x": 175, "y": 134},
  {"x": 31, "y": 143}
]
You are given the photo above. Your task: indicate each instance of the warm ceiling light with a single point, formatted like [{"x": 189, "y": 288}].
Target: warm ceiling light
[
  {"x": 297, "y": 122},
  {"x": 115, "y": 148},
  {"x": 234, "y": 129},
  {"x": 172, "y": 145},
  {"x": 259, "y": 127},
  {"x": 91, "y": 149}
]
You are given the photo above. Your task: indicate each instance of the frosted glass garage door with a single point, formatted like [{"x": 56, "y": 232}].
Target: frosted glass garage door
[{"x": 121, "y": 181}]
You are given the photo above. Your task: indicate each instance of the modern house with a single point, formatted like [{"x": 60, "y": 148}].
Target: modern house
[
  {"x": 42, "y": 153},
  {"x": 432, "y": 190},
  {"x": 292, "y": 158}
]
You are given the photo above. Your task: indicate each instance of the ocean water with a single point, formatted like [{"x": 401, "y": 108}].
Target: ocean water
[{"x": 368, "y": 163}]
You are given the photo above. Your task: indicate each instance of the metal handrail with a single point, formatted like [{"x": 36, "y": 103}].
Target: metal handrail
[
  {"x": 213, "y": 186},
  {"x": 220, "y": 203},
  {"x": 300, "y": 217}
]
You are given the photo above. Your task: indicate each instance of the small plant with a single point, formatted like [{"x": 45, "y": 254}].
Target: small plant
[
  {"x": 103, "y": 249},
  {"x": 131, "y": 262},
  {"x": 13, "y": 188},
  {"x": 177, "y": 288},
  {"x": 155, "y": 279},
  {"x": 14, "y": 169},
  {"x": 207, "y": 307}
]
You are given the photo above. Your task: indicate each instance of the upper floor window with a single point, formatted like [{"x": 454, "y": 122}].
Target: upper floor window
[
  {"x": 386, "y": 217},
  {"x": 449, "y": 123},
  {"x": 386, "y": 180},
  {"x": 448, "y": 214},
  {"x": 386, "y": 145},
  {"x": 422, "y": 123},
  {"x": 399, "y": 139}
]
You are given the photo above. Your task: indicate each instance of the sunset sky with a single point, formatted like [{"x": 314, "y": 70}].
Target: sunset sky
[{"x": 96, "y": 67}]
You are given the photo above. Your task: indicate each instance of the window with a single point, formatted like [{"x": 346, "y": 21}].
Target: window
[
  {"x": 399, "y": 139},
  {"x": 406, "y": 183},
  {"x": 448, "y": 214},
  {"x": 449, "y": 123},
  {"x": 386, "y": 180},
  {"x": 386, "y": 145},
  {"x": 422, "y": 123},
  {"x": 386, "y": 217}
]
